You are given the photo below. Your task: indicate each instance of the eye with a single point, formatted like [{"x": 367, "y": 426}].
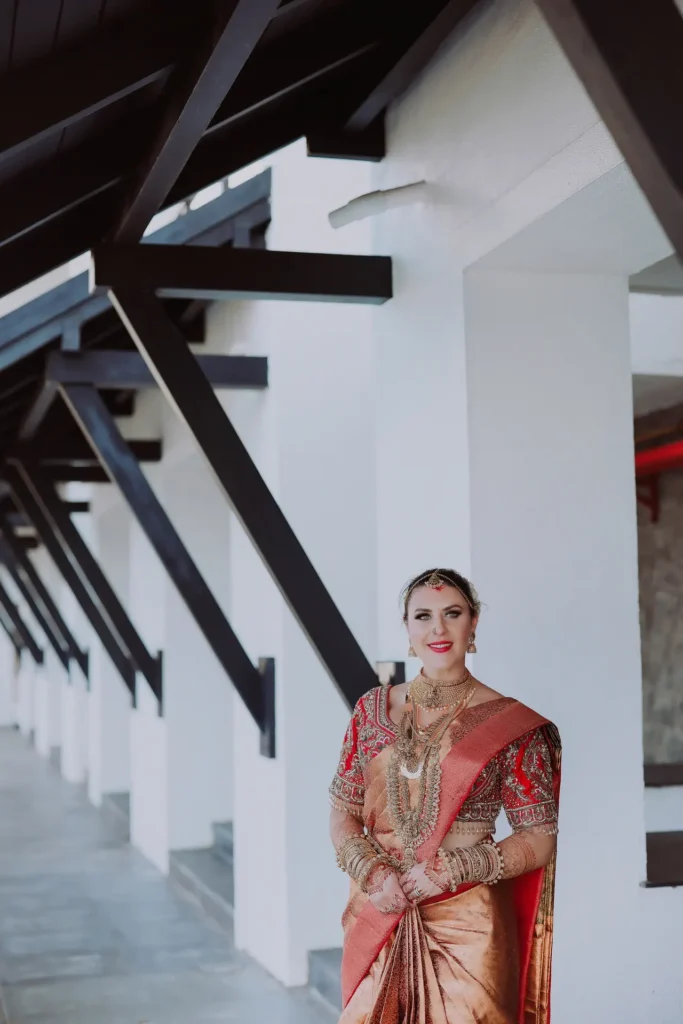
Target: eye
[
  {"x": 455, "y": 614},
  {"x": 422, "y": 615}
]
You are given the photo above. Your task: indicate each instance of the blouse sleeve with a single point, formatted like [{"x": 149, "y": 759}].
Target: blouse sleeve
[
  {"x": 527, "y": 784},
  {"x": 347, "y": 791}
]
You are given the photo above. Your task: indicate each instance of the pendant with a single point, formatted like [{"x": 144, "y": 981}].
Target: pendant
[{"x": 407, "y": 774}]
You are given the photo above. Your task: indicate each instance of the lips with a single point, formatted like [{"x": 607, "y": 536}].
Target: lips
[{"x": 441, "y": 648}]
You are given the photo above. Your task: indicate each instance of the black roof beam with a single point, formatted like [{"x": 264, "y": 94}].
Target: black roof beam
[
  {"x": 123, "y": 370},
  {"x": 14, "y": 616},
  {"x": 366, "y": 144},
  {"x": 76, "y": 83},
  {"x": 70, "y": 305},
  {"x": 196, "y": 92},
  {"x": 103, "y": 435},
  {"x": 628, "y": 59},
  {"x": 407, "y": 56},
  {"x": 55, "y": 452},
  {"x": 11, "y": 632},
  {"x": 24, "y": 589},
  {"x": 27, "y": 569},
  {"x": 36, "y": 495},
  {"x": 195, "y": 272},
  {"x": 192, "y": 397}
]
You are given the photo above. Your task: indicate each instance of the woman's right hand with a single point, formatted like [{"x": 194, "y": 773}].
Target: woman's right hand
[{"x": 385, "y": 892}]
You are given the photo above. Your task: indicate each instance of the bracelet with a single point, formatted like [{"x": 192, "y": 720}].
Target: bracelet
[
  {"x": 481, "y": 863},
  {"x": 357, "y": 857}
]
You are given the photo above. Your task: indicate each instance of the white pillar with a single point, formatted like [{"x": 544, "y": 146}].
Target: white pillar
[
  {"x": 554, "y": 557},
  {"x": 26, "y": 682},
  {"x": 148, "y": 765},
  {"x": 74, "y": 696},
  {"x": 7, "y": 673},
  {"x": 311, "y": 436},
  {"x": 48, "y": 690},
  {"x": 52, "y": 675},
  {"x": 197, "y": 692},
  {"x": 109, "y": 703}
]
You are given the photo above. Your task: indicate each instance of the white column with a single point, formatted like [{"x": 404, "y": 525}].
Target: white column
[
  {"x": 311, "y": 436},
  {"x": 52, "y": 675},
  {"x": 554, "y": 557},
  {"x": 197, "y": 692},
  {"x": 74, "y": 697},
  {"x": 109, "y": 702},
  {"x": 148, "y": 766},
  {"x": 25, "y": 686},
  {"x": 7, "y": 672}
]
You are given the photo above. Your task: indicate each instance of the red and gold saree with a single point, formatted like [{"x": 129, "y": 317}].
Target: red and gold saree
[{"x": 481, "y": 955}]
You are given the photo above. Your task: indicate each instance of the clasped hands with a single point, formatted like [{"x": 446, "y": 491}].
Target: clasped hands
[{"x": 391, "y": 893}]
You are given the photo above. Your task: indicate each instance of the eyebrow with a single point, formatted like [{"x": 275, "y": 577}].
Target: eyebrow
[{"x": 447, "y": 609}]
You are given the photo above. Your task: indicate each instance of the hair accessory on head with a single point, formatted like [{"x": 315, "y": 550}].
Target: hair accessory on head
[{"x": 436, "y": 582}]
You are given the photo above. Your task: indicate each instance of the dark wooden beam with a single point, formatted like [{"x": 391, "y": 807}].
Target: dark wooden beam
[
  {"x": 122, "y": 370},
  {"x": 408, "y": 56},
  {"x": 103, "y": 435},
  {"x": 191, "y": 395},
  {"x": 331, "y": 47},
  {"x": 7, "y": 557},
  {"x": 75, "y": 83},
  {"x": 196, "y": 94},
  {"x": 11, "y": 632},
  {"x": 628, "y": 58},
  {"x": 70, "y": 305},
  {"x": 71, "y": 452},
  {"x": 16, "y": 520},
  {"x": 14, "y": 616},
  {"x": 35, "y": 493},
  {"x": 339, "y": 144},
  {"x": 63, "y": 474},
  {"x": 195, "y": 272},
  {"x": 26, "y": 567}
]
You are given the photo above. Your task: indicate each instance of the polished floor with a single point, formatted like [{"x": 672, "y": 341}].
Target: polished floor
[{"x": 90, "y": 933}]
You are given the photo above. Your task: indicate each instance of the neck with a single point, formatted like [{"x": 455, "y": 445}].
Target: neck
[{"x": 446, "y": 675}]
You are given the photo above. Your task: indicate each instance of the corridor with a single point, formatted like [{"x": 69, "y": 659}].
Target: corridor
[{"x": 90, "y": 933}]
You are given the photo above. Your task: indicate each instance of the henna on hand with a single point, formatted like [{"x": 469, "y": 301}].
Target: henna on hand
[
  {"x": 519, "y": 855},
  {"x": 377, "y": 879}
]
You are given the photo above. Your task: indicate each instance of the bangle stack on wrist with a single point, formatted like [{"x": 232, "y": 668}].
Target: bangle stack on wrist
[
  {"x": 480, "y": 863},
  {"x": 357, "y": 858}
]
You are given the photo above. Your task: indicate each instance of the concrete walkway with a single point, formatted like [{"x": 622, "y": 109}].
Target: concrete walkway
[{"x": 90, "y": 933}]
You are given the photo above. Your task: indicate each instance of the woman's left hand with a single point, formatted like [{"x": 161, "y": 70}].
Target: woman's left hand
[{"x": 419, "y": 883}]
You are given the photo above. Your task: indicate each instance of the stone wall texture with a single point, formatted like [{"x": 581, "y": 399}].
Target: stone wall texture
[{"x": 660, "y": 558}]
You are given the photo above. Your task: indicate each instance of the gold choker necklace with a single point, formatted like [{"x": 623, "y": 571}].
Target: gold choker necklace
[{"x": 432, "y": 694}]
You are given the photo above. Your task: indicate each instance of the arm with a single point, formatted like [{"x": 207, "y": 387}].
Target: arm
[
  {"x": 355, "y": 854},
  {"x": 527, "y": 790}
]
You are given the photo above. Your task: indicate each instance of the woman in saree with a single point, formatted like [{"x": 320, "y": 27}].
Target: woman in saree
[{"x": 443, "y": 924}]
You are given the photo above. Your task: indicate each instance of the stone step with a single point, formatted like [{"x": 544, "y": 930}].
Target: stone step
[
  {"x": 207, "y": 880},
  {"x": 116, "y": 809},
  {"x": 324, "y": 975},
  {"x": 223, "y": 841}
]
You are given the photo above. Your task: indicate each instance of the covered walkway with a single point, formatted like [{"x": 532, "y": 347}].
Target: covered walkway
[{"x": 89, "y": 931}]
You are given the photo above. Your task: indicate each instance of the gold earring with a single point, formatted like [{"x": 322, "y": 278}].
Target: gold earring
[
  {"x": 472, "y": 648},
  {"x": 411, "y": 652}
]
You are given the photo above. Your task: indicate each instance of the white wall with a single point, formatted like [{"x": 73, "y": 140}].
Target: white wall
[{"x": 657, "y": 334}]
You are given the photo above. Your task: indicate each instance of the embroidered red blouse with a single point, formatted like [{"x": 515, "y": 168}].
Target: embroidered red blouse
[{"x": 519, "y": 779}]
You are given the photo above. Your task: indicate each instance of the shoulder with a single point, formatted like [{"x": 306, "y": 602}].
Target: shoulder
[{"x": 366, "y": 704}]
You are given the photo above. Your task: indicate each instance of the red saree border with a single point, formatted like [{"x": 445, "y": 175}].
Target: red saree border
[{"x": 460, "y": 770}]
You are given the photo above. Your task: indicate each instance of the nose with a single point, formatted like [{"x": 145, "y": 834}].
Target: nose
[{"x": 439, "y": 628}]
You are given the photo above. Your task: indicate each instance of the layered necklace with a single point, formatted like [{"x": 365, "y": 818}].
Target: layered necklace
[{"x": 416, "y": 755}]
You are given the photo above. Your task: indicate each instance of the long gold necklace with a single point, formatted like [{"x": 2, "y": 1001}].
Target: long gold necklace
[
  {"x": 436, "y": 694},
  {"x": 417, "y": 758}
]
